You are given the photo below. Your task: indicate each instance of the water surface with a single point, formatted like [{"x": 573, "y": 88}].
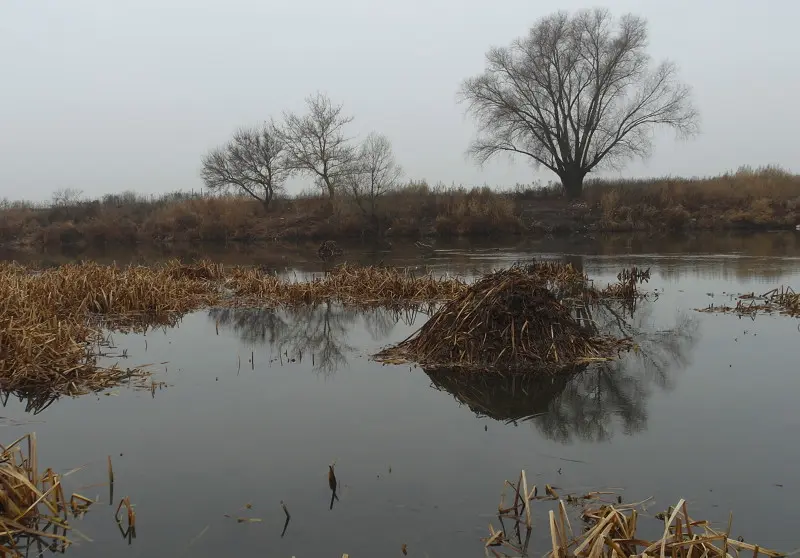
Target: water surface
[{"x": 707, "y": 412}]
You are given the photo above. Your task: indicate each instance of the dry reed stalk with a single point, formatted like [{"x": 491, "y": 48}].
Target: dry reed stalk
[
  {"x": 32, "y": 502},
  {"x": 512, "y": 320}
]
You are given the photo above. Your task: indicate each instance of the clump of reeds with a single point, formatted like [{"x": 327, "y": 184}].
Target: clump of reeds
[
  {"x": 363, "y": 286},
  {"x": 610, "y": 528},
  {"x": 511, "y": 319},
  {"x": 612, "y": 531},
  {"x": 111, "y": 291},
  {"x": 627, "y": 285},
  {"x": 51, "y": 321},
  {"x": 33, "y": 507}
]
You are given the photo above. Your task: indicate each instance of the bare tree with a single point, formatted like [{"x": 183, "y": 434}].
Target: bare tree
[
  {"x": 316, "y": 144},
  {"x": 575, "y": 93},
  {"x": 254, "y": 161},
  {"x": 67, "y": 196},
  {"x": 374, "y": 172}
]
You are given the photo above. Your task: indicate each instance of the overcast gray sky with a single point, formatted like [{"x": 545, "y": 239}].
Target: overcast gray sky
[{"x": 110, "y": 95}]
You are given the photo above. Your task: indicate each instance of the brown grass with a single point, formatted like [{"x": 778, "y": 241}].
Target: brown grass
[
  {"x": 33, "y": 507},
  {"x": 517, "y": 319},
  {"x": 767, "y": 197},
  {"x": 747, "y": 199}
]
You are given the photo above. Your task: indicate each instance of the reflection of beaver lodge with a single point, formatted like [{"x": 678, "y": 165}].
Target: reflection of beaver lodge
[
  {"x": 515, "y": 398},
  {"x": 527, "y": 317}
]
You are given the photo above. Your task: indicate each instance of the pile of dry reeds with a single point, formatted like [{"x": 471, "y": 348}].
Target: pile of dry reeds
[
  {"x": 33, "y": 508},
  {"x": 362, "y": 286},
  {"x": 610, "y": 529},
  {"x": 511, "y": 320}
]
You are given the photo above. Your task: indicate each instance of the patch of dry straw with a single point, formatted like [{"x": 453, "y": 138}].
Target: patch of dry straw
[
  {"x": 33, "y": 508},
  {"x": 361, "y": 286},
  {"x": 516, "y": 319}
]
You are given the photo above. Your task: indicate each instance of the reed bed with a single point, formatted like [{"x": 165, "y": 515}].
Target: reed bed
[
  {"x": 33, "y": 507},
  {"x": 515, "y": 319},
  {"x": 362, "y": 286},
  {"x": 610, "y": 529},
  {"x": 52, "y": 321}
]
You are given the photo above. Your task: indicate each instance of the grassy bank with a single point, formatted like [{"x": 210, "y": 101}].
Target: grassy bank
[{"x": 762, "y": 199}]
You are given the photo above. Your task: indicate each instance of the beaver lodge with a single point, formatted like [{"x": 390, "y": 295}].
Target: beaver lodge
[{"x": 527, "y": 317}]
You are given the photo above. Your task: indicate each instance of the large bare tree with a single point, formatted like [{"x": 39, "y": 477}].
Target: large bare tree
[
  {"x": 374, "y": 172},
  {"x": 253, "y": 161},
  {"x": 316, "y": 144},
  {"x": 576, "y": 93}
]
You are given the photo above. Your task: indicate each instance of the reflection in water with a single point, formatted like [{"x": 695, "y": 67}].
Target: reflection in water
[
  {"x": 35, "y": 400},
  {"x": 588, "y": 401},
  {"x": 316, "y": 331}
]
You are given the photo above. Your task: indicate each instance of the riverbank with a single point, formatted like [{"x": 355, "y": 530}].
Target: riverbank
[{"x": 765, "y": 199}]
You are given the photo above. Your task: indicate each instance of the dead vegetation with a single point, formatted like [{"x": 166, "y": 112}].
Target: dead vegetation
[
  {"x": 34, "y": 510},
  {"x": 746, "y": 199},
  {"x": 361, "y": 286},
  {"x": 54, "y": 322},
  {"x": 527, "y": 317},
  {"x": 610, "y": 529},
  {"x": 781, "y": 300}
]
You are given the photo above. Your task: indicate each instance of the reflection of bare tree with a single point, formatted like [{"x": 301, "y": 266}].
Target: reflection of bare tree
[
  {"x": 252, "y": 325},
  {"x": 319, "y": 331},
  {"x": 379, "y": 323},
  {"x": 588, "y": 403},
  {"x": 597, "y": 398}
]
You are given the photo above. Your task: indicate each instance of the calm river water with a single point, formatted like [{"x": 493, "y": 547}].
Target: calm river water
[{"x": 708, "y": 412}]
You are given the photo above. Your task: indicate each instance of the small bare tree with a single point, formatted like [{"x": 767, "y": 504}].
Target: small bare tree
[
  {"x": 374, "y": 172},
  {"x": 576, "y": 93},
  {"x": 254, "y": 162},
  {"x": 67, "y": 196},
  {"x": 316, "y": 144}
]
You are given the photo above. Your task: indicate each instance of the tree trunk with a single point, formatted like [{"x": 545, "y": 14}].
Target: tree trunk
[
  {"x": 572, "y": 181},
  {"x": 329, "y": 185}
]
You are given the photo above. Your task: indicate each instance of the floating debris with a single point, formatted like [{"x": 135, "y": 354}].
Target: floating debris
[{"x": 781, "y": 300}]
